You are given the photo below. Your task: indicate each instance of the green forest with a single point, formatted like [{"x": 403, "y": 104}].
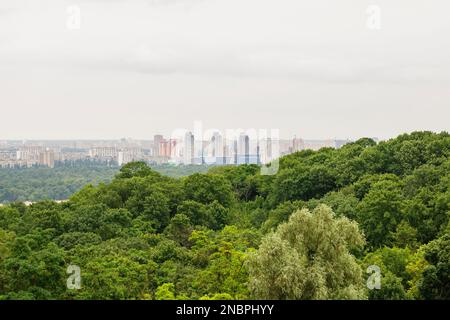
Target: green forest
[
  {"x": 311, "y": 231},
  {"x": 41, "y": 183},
  {"x": 59, "y": 183}
]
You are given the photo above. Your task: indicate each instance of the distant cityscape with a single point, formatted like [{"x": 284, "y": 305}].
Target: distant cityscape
[{"x": 161, "y": 150}]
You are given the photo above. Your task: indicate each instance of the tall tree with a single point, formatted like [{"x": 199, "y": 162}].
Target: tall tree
[{"x": 308, "y": 257}]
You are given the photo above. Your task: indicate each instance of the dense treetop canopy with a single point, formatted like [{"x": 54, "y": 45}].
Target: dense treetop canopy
[{"x": 308, "y": 232}]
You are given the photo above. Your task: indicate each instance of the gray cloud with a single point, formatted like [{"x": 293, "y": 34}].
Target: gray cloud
[{"x": 226, "y": 53}]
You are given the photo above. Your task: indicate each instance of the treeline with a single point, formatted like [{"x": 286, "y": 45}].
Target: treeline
[
  {"x": 59, "y": 183},
  {"x": 42, "y": 183},
  {"x": 309, "y": 232}
]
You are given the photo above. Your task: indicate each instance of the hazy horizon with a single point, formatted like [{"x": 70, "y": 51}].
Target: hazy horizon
[
  {"x": 150, "y": 138},
  {"x": 137, "y": 68}
]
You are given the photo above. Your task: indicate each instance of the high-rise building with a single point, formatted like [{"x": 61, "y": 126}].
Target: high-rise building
[
  {"x": 243, "y": 149},
  {"x": 164, "y": 148},
  {"x": 120, "y": 158},
  {"x": 130, "y": 154},
  {"x": 157, "y": 140},
  {"x": 103, "y": 152},
  {"x": 218, "y": 148},
  {"x": 47, "y": 158},
  {"x": 30, "y": 153},
  {"x": 188, "y": 152},
  {"x": 266, "y": 150}
]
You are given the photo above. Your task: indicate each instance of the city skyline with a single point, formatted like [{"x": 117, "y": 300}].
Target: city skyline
[
  {"x": 188, "y": 149},
  {"x": 226, "y": 153}
]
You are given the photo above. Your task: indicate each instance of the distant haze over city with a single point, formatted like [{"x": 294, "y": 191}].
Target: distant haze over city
[
  {"x": 318, "y": 69},
  {"x": 187, "y": 148}
]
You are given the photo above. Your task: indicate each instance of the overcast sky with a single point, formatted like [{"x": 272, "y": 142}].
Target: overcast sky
[{"x": 139, "y": 67}]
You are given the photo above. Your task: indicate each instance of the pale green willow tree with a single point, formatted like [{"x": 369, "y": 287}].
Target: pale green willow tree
[{"x": 308, "y": 258}]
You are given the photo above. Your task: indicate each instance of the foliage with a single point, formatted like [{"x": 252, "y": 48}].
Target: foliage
[
  {"x": 308, "y": 258},
  {"x": 38, "y": 183},
  {"x": 435, "y": 282},
  {"x": 231, "y": 233}
]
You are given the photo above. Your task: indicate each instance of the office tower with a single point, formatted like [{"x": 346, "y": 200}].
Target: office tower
[
  {"x": 188, "y": 153},
  {"x": 247, "y": 149},
  {"x": 164, "y": 148},
  {"x": 269, "y": 151},
  {"x": 243, "y": 149},
  {"x": 258, "y": 154},
  {"x": 265, "y": 150},
  {"x": 235, "y": 152},
  {"x": 157, "y": 139},
  {"x": 174, "y": 148},
  {"x": 217, "y": 148}
]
